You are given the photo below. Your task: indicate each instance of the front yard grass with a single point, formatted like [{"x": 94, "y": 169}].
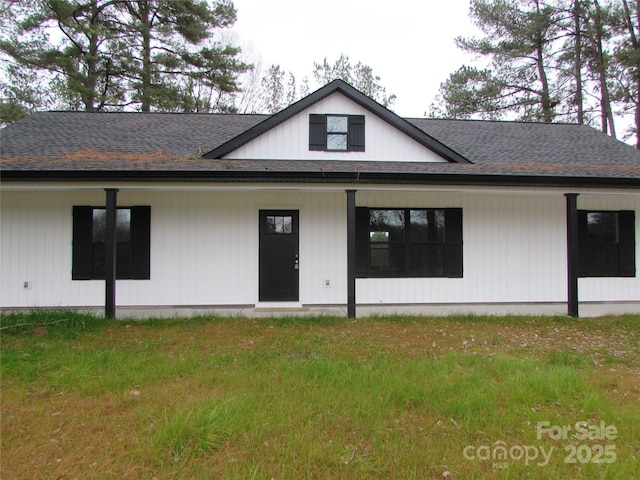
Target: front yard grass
[{"x": 319, "y": 398}]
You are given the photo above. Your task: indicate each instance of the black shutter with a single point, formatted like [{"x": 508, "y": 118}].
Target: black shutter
[
  {"x": 362, "y": 242},
  {"x": 317, "y": 132},
  {"x": 356, "y": 133},
  {"x": 141, "y": 243},
  {"x": 627, "y": 244},
  {"x": 82, "y": 243},
  {"x": 582, "y": 267},
  {"x": 453, "y": 242}
]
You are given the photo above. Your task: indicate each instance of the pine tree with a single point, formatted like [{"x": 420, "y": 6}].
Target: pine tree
[
  {"x": 517, "y": 42},
  {"x": 627, "y": 53},
  {"x": 170, "y": 46},
  {"x": 79, "y": 61},
  {"x": 114, "y": 54},
  {"x": 549, "y": 60}
]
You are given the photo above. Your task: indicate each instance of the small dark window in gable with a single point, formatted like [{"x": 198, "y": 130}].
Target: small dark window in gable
[{"x": 337, "y": 133}]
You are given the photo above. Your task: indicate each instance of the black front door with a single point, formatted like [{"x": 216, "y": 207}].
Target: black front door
[{"x": 279, "y": 260}]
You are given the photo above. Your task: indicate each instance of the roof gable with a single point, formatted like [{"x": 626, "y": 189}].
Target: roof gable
[{"x": 361, "y": 104}]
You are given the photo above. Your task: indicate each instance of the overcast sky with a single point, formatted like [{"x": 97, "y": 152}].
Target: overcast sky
[{"x": 409, "y": 44}]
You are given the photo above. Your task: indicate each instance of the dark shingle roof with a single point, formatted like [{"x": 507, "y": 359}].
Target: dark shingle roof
[
  {"x": 171, "y": 144},
  {"x": 536, "y": 148},
  {"x": 62, "y": 133}
]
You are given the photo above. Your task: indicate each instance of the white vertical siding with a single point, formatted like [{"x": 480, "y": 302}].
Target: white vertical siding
[
  {"x": 514, "y": 251},
  {"x": 36, "y": 247},
  {"x": 323, "y": 252},
  {"x": 204, "y": 248},
  {"x": 290, "y": 140}
]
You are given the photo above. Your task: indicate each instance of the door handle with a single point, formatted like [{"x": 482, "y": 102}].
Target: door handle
[{"x": 296, "y": 263}]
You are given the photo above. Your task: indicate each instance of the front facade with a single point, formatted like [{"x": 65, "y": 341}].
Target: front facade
[{"x": 333, "y": 205}]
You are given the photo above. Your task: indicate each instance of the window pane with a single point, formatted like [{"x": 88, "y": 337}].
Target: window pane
[
  {"x": 427, "y": 260},
  {"x": 387, "y": 259},
  {"x": 386, "y": 224},
  {"x": 377, "y": 237},
  {"x": 123, "y": 224},
  {"x": 336, "y": 141},
  {"x": 602, "y": 243},
  {"x": 602, "y": 260},
  {"x": 337, "y": 124},
  {"x": 271, "y": 224},
  {"x": 427, "y": 225},
  {"x": 380, "y": 257},
  {"x": 123, "y": 260},
  {"x": 602, "y": 227},
  {"x": 279, "y": 224},
  {"x": 99, "y": 224},
  {"x": 286, "y": 224}
]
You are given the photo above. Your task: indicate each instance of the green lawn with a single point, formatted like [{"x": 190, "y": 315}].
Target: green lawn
[{"x": 297, "y": 398}]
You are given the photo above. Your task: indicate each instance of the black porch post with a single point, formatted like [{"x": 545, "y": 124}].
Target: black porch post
[
  {"x": 110, "y": 254},
  {"x": 572, "y": 253},
  {"x": 351, "y": 253}
]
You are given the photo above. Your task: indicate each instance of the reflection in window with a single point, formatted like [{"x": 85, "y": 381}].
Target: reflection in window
[
  {"x": 337, "y": 124},
  {"x": 427, "y": 225},
  {"x": 123, "y": 239},
  {"x": 607, "y": 243},
  {"x": 602, "y": 243},
  {"x": 602, "y": 227},
  {"x": 386, "y": 236},
  {"x": 407, "y": 242},
  {"x": 279, "y": 224},
  {"x": 336, "y": 142},
  {"x": 123, "y": 224},
  {"x": 337, "y": 133},
  {"x": 133, "y": 242},
  {"x": 391, "y": 222},
  {"x": 378, "y": 237}
]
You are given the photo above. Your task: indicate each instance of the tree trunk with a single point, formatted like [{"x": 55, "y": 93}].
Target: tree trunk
[
  {"x": 579, "y": 101},
  {"x": 545, "y": 95},
  {"x": 146, "y": 56},
  {"x": 547, "y": 107},
  {"x": 601, "y": 66},
  {"x": 89, "y": 96},
  {"x": 636, "y": 46}
]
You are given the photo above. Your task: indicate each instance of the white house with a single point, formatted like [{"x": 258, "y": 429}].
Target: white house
[{"x": 334, "y": 204}]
